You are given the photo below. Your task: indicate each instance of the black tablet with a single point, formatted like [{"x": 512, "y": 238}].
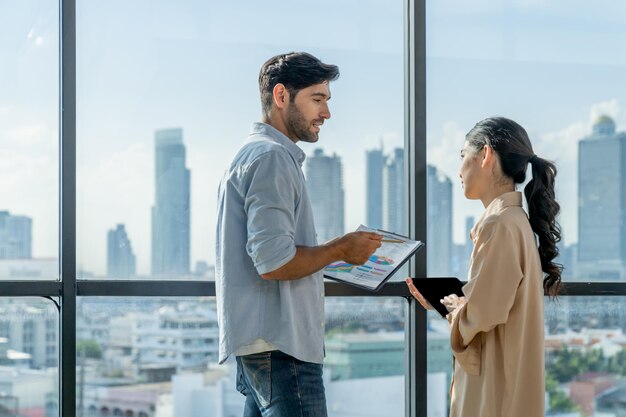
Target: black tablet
[{"x": 434, "y": 289}]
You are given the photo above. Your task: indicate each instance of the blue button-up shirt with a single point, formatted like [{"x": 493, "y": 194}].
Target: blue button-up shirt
[{"x": 263, "y": 213}]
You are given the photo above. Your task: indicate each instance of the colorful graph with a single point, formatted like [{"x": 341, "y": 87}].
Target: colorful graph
[
  {"x": 340, "y": 267},
  {"x": 381, "y": 260}
]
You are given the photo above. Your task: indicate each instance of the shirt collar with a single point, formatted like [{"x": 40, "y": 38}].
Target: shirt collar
[
  {"x": 510, "y": 199},
  {"x": 275, "y": 135}
]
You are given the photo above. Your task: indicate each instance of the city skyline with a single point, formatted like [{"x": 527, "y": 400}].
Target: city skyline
[
  {"x": 171, "y": 152},
  {"x": 175, "y": 83}
]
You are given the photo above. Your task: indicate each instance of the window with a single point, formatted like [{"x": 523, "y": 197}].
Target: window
[
  {"x": 176, "y": 84},
  {"x": 29, "y": 147},
  {"x": 553, "y": 69}
]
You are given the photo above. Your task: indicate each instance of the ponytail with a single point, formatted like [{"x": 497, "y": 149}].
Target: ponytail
[{"x": 542, "y": 211}]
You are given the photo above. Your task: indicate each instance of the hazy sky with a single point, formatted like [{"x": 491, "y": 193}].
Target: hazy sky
[{"x": 194, "y": 64}]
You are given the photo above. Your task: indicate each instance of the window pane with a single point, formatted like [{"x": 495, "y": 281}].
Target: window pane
[
  {"x": 439, "y": 366},
  {"x": 554, "y": 68},
  {"x": 585, "y": 356},
  {"x": 364, "y": 368},
  {"x": 157, "y": 356},
  {"x": 29, "y": 140},
  {"x": 167, "y": 98},
  {"x": 29, "y": 357}
]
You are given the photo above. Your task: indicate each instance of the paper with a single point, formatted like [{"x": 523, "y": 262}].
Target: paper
[{"x": 381, "y": 265}]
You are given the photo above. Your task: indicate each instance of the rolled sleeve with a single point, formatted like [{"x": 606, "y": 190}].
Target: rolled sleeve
[
  {"x": 271, "y": 194},
  {"x": 490, "y": 293}
]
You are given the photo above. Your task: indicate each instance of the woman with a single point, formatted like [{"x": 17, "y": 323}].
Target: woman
[{"x": 496, "y": 329}]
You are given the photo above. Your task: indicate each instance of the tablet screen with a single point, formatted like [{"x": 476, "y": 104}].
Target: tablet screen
[{"x": 434, "y": 289}]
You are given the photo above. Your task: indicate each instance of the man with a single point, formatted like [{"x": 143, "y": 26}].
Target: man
[{"x": 270, "y": 291}]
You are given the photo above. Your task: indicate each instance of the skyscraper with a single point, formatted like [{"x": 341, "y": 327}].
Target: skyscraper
[
  {"x": 15, "y": 236},
  {"x": 439, "y": 222},
  {"x": 394, "y": 194},
  {"x": 602, "y": 203},
  {"x": 374, "y": 166},
  {"x": 120, "y": 256},
  {"x": 171, "y": 210},
  {"x": 324, "y": 176}
]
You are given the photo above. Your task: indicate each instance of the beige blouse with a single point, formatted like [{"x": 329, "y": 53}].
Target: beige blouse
[{"x": 497, "y": 336}]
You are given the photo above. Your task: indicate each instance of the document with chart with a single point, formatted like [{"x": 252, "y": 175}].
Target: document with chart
[{"x": 387, "y": 259}]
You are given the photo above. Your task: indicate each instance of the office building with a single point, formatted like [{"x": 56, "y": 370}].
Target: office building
[
  {"x": 15, "y": 236},
  {"x": 439, "y": 222},
  {"x": 324, "y": 174},
  {"x": 602, "y": 203},
  {"x": 394, "y": 194},
  {"x": 120, "y": 256},
  {"x": 171, "y": 210},
  {"x": 374, "y": 166}
]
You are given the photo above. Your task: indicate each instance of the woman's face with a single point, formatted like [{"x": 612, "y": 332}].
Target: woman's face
[{"x": 471, "y": 173}]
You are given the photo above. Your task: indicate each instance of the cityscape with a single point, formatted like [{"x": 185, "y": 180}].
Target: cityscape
[{"x": 150, "y": 357}]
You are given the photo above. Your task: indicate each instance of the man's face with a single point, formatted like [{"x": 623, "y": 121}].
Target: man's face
[{"x": 306, "y": 114}]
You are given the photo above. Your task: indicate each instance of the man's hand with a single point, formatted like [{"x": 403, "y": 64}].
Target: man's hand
[{"x": 356, "y": 247}]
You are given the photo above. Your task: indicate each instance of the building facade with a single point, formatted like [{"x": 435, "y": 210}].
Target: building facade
[
  {"x": 120, "y": 256},
  {"x": 171, "y": 211},
  {"x": 324, "y": 174},
  {"x": 374, "y": 165},
  {"x": 602, "y": 203},
  {"x": 439, "y": 223},
  {"x": 394, "y": 194},
  {"x": 15, "y": 236}
]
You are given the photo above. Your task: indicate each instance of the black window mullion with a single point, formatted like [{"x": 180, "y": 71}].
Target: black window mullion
[
  {"x": 415, "y": 171},
  {"x": 67, "y": 349}
]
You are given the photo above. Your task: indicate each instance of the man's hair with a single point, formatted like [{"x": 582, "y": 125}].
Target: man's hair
[{"x": 295, "y": 70}]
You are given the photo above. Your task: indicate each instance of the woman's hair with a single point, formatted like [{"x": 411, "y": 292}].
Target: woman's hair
[
  {"x": 296, "y": 70},
  {"x": 510, "y": 142}
]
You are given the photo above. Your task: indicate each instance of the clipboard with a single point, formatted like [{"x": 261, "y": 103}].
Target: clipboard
[
  {"x": 381, "y": 266},
  {"x": 434, "y": 289}
]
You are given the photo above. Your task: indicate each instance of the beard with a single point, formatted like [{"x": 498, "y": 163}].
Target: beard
[{"x": 297, "y": 125}]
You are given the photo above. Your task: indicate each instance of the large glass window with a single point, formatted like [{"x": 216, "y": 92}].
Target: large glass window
[
  {"x": 158, "y": 356},
  {"x": 554, "y": 68},
  {"x": 167, "y": 98},
  {"x": 29, "y": 140}
]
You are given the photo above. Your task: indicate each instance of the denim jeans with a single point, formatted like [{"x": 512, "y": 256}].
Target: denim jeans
[{"x": 278, "y": 385}]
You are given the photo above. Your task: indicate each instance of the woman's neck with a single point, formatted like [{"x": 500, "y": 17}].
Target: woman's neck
[{"x": 496, "y": 192}]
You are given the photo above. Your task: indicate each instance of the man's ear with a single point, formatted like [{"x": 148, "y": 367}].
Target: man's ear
[{"x": 281, "y": 96}]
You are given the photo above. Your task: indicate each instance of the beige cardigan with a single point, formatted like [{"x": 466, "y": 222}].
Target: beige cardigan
[{"x": 497, "y": 336}]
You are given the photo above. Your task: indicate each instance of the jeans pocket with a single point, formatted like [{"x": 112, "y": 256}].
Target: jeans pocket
[{"x": 257, "y": 371}]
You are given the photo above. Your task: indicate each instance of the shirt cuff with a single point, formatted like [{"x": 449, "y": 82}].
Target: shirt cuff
[{"x": 468, "y": 357}]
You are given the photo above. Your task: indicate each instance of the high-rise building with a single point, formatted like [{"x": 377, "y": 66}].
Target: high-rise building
[
  {"x": 15, "y": 236},
  {"x": 394, "y": 194},
  {"x": 374, "y": 166},
  {"x": 439, "y": 222},
  {"x": 171, "y": 210},
  {"x": 324, "y": 174},
  {"x": 120, "y": 256},
  {"x": 602, "y": 203}
]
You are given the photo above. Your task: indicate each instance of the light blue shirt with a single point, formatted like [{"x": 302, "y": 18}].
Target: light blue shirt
[{"x": 263, "y": 213}]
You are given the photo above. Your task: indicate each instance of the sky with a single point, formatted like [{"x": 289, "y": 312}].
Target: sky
[{"x": 551, "y": 66}]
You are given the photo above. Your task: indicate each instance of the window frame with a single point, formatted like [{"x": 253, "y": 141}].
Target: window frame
[{"x": 69, "y": 288}]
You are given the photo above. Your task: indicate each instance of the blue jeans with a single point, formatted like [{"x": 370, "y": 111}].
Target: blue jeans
[{"x": 278, "y": 385}]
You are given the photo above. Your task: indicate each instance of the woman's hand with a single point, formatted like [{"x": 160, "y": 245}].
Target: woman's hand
[
  {"x": 415, "y": 293},
  {"x": 452, "y": 302}
]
